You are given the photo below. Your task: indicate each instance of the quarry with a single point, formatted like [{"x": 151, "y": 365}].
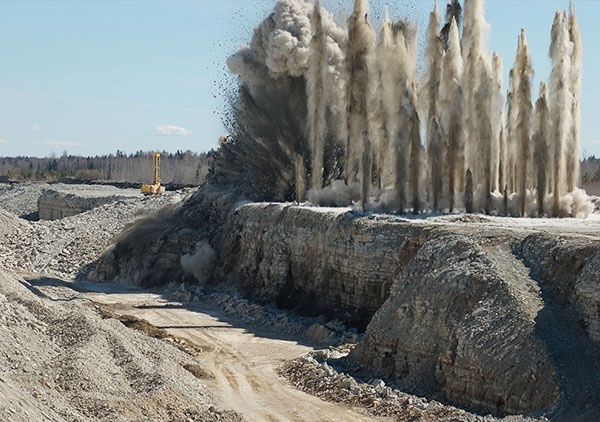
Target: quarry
[
  {"x": 423, "y": 253},
  {"x": 469, "y": 318}
]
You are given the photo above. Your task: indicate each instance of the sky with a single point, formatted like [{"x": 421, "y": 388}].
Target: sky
[{"x": 90, "y": 77}]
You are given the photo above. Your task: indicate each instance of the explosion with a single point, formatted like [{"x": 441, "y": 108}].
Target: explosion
[{"x": 342, "y": 106}]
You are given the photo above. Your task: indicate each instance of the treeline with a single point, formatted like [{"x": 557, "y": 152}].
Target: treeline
[
  {"x": 184, "y": 168},
  {"x": 590, "y": 175},
  {"x": 181, "y": 168}
]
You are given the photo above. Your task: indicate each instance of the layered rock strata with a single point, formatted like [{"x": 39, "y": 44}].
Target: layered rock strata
[{"x": 324, "y": 261}]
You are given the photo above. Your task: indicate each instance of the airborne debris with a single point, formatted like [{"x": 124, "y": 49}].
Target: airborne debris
[{"x": 345, "y": 86}]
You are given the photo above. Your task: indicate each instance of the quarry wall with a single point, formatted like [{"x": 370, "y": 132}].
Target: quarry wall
[
  {"x": 494, "y": 320},
  {"x": 321, "y": 261}
]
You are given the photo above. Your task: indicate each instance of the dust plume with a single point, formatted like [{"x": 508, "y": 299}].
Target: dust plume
[
  {"x": 523, "y": 75},
  {"x": 315, "y": 91},
  {"x": 343, "y": 106}
]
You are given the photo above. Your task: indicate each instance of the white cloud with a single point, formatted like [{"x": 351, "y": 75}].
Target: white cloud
[
  {"x": 4, "y": 142},
  {"x": 35, "y": 127},
  {"x": 594, "y": 141},
  {"x": 61, "y": 144},
  {"x": 171, "y": 130}
]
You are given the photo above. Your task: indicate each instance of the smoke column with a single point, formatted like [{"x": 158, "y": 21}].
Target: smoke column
[
  {"x": 473, "y": 54},
  {"x": 453, "y": 12},
  {"x": 484, "y": 124},
  {"x": 575, "y": 88},
  {"x": 299, "y": 165},
  {"x": 511, "y": 123},
  {"x": 388, "y": 63},
  {"x": 433, "y": 56},
  {"x": 497, "y": 104},
  {"x": 366, "y": 167},
  {"x": 436, "y": 153},
  {"x": 430, "y": 98},
  {"x": 469, "y": 191},
  {"x": 560, "y": 103},
  {"x": 540, "y": 147},
  {"x": 396, "y": 54},
  {"x": 451, "y": 114},
  {"x": 414, "y": 133},
  {"x": 315, "y": 97},
  {"x": 382, "y": 167}
]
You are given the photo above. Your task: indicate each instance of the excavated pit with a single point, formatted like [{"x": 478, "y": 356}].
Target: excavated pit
[
  {"x": 491, "y": 319},
  {"x": 496, "y": 315}
]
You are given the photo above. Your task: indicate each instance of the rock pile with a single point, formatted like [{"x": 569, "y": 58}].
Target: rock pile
[
  {"x": 21, "y": 198},
  {"x": 59, "y": 360},
  {"x": 316, "y": 330},
  {"x": 320, "y": 374},
  {"x": 54, "y": 204},
  {"x": 67, "y": 248}
]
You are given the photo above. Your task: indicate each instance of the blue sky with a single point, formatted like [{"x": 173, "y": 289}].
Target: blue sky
[{"x": 90, "y": 77}]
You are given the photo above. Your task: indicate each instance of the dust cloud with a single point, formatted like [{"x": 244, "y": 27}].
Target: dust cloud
[{"x": 344, "y": 104}]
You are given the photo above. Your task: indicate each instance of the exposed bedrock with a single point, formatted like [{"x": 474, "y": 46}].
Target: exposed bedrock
[
  {"x": 491, "y": 319},
  {"x": 318, "y": 261},
  {"x": 461, "y": 320}
]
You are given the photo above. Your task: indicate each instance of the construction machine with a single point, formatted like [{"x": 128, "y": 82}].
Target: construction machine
[{"x": 155, "y": 188}]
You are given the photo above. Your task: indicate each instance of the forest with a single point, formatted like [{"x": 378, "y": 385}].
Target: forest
[
  {"x": 590, "y": 175},
  {"x": 179, "y": 168}
]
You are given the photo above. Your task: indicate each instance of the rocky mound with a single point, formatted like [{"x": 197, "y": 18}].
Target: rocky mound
[
  {"x": 461, "y": 319},
  {"x": 61, "y": 361},
  {"x": 21, "y": 198},
  {"x": 67, "y": 248}
]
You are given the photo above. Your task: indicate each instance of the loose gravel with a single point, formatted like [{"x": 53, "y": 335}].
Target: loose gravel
[{"x": 67, "y": 248}]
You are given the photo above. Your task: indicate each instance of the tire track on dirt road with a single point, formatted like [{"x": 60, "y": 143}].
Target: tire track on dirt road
[{"x": 242, "y": 364}]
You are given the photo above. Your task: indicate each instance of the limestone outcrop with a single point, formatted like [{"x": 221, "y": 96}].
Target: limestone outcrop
[
  {"x": 461, "y": 323},
  {"x": 321, "y": 261},
  {"x": 481, "y": 317}
]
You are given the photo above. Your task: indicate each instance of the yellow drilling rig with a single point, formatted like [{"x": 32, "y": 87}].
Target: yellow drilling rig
[{"x": 155, "y": 188}]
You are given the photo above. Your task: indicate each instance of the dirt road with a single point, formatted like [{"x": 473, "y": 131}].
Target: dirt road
[{"x": 241, "y": 362}]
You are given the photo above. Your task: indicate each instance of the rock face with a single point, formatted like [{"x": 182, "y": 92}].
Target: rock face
[
  {"x": 322, "y": 262},
  {"x": 494, "y": 320},
  {"x": 461, "y": 319}
]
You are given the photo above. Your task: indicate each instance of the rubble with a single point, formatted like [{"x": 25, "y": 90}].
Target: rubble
[
  {"x": 316, "y": 330},
  {"x": 61, "y": 361},
  {"x": 324, "y": 374},
  {"x": 56, "y": 203},
  {"x": 68, "y": 248}
]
